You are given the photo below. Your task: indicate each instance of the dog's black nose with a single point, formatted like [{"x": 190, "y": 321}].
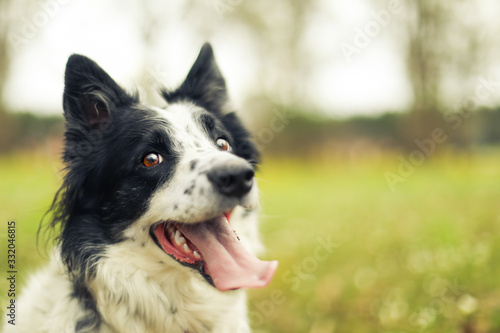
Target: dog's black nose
[{"x": 232, "y": 180}]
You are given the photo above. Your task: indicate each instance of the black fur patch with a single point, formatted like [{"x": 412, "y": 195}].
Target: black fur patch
[
  {"x": 204, "y": 84},
  {"x": 193, "y": 164},
  {"x": 92, "y": 320},
  {"x": 189, "y": 190}
]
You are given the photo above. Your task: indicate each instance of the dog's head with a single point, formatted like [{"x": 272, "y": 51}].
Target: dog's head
[{"x": 165, "y": 178}]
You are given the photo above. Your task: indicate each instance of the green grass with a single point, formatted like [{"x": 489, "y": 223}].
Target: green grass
[
  {"x": 398, "y": 254},
  {"x": 28, "y": 182},
  {"x": 422, "y": 258}
]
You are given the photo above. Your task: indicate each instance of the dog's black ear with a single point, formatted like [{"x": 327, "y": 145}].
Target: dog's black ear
[
  {"x": 204, "y": 83},
  {"x": 90, "y": 94}
]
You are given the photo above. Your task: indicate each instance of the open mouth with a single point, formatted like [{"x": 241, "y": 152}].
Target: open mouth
[{"x": 213, "y": 249}]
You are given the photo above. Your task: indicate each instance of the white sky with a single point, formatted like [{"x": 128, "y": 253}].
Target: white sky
[{"x": 373, "y": 81}]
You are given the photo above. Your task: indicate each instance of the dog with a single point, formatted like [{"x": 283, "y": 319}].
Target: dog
[{"x": 157, "y": 213}]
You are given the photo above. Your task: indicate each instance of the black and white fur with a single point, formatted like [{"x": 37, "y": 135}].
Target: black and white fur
[{"x": 107, "y": 274}]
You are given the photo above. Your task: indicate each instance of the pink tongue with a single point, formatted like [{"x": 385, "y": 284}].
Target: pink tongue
[{"x": 229, "y": 264}]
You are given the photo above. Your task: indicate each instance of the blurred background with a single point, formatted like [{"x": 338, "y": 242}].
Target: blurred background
[{"x": 379, "y": 123}]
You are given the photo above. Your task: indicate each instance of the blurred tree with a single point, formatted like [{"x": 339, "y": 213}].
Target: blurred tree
[
  {"x": 6, "y": 23},
  {"x": 442, "y": 50},
  {"x": 10, "y": 24},
  {"x": 276, "y": 32},
  {"x": 279, "y": 29},
  {"x": 151, "y": 18},
  {"x": 5, "y": 54}
]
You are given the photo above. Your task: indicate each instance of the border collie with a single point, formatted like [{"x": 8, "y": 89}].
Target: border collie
[{"x": 156, "y": 214}]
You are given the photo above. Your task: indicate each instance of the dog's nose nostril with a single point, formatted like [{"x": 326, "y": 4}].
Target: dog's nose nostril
[
  {"x": 234, "y": 181},
  {"x": 249, "y": 175}
]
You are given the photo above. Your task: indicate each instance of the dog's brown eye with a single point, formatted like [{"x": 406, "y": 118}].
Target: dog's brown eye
[
  {"x": 152, "y": 159},
  {"x": 223, "y": 144}
]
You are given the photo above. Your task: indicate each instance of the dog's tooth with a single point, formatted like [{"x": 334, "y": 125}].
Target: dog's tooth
[
  {"x": 179, "y": 239},
  {"x": 196, "y": 255},
  {"x": 186, "y": 248}
]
